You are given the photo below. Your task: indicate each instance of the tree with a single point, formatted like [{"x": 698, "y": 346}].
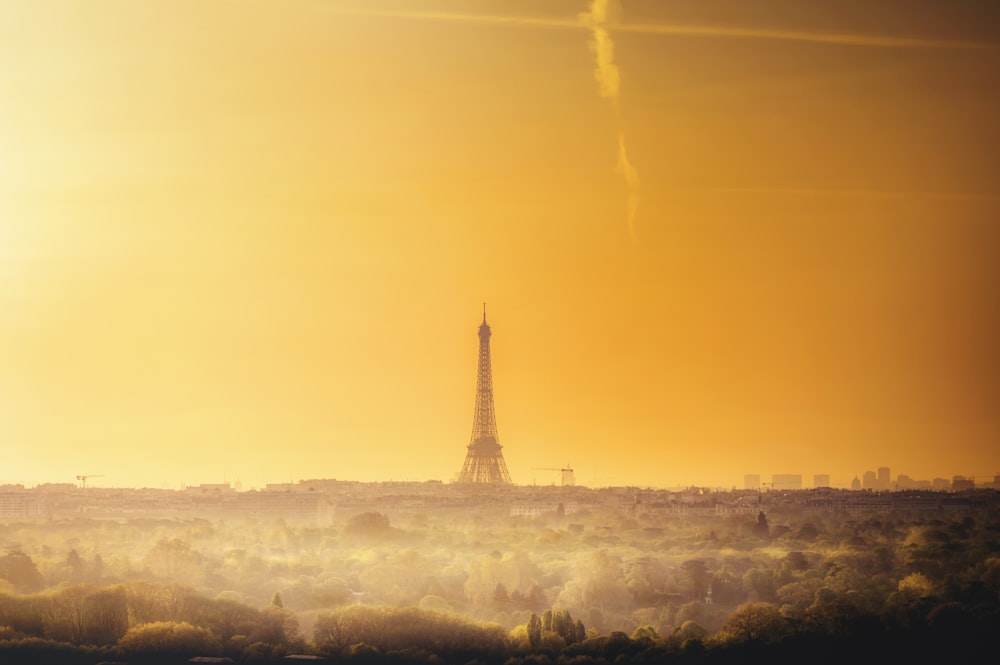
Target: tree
[
  {"x": 917, "y": 585},
  {"x": 18, "y": 568},
  {"x": 691, "y": 630},
  {"x": 796, "y": 561},
  {"x": 370, "y": 525},
  {"x": 601, "y": 584},
  {"x": 697, "y": 571},
  {"x": 66, "y": 613},
  {"x": 96, "y": 569},
  {"x": 168, "y": 638},
  {"x": 581, "y": 632},
  {"x": 645, "y": 635},
  {"x": 534, "y": 631},
  {"x": 692, "y": 611},
  {"x": 75, "y": 565},
  {"x": 759, "y": 583},
  {"x": 106, "y": 616},
  {"x": 645, "y": 577},
  {"x": 754, "y": 622},
  {"x": 276, "y": 626},
  {"x": 173, "y": 560},
  {"x": 762, "y": 529}
]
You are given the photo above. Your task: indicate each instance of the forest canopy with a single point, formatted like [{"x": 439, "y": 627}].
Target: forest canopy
[{"x": 595, "y": 586}]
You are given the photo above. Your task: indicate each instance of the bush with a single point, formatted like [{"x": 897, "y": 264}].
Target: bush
[{"x": 169, "y": 639}]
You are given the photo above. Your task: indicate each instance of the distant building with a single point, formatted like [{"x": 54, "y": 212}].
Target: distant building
[
  {"x": 16, "y": 504},
  {"x": 821, "y": 480},
  {"x": 869, "y": 481},
  {"x": 537, "y": 508},
  {"x": 883, "y": 478},
  {"x": 941, "y": 484},
  {"x": 961, "y": 483},
  {"x": 751, "y": 481},
  {"x": 55, "y": 487},
  {"x": 210, "y": 488},
  {"x": 786, "y": 481},
  {"x": 567, "y": 477},
  {"x": 856, "y": 483}
]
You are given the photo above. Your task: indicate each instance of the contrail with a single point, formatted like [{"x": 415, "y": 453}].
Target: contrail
[
  {"x": 601, "y": 25},
  {"x": 842, "y": 39},
  {"x": 818, "y": 192},
  {"x": 609, "y": 84},
  {"x": 708, "y": 31}
]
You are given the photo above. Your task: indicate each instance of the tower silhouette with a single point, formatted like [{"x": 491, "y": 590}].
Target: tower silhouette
[{"x": 484, "y": 461}]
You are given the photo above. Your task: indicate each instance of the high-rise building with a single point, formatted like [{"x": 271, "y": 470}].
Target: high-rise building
[
  {"x": 869, "y": 480},
  {"x": 883, "y": 478},
  {"x": 961, "y": 483},
  {"x": 786, "y": 481},
  {"x": 484, "y": 461},
  {"x": 751, "y": 481},
  {"x": 821, "y": 480}
]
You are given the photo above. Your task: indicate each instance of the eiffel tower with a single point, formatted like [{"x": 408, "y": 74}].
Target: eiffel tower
[{"x": 484, "y": 461}]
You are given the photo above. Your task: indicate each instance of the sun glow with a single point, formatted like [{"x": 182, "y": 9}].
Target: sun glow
[{"x": 266, "y": 227}]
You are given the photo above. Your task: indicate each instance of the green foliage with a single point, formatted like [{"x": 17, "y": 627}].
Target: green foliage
[
  {"x": 169, "y": 638},
  {"x": 21, "y": 572},
  {"x": 370, "y": 525},
  {"x": 753, "y": 623},
  {"x": 535, "y": 631},
  {"x": 910, "y": 578},
  {"x": 391, "y": 629},
  {"x": 34, "y": 650}
]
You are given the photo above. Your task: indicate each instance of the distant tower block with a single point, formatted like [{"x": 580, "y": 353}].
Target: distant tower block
[{"x": 484, "y": 461}]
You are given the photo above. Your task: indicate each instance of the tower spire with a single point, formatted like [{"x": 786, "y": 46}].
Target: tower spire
[{"x": 484, "y": 461}]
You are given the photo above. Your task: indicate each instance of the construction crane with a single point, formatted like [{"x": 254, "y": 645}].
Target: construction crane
[
  {"x": 993, "y": 478},
  {"x": 83, "y": 478},
  {"x": 567, "y": 478}
]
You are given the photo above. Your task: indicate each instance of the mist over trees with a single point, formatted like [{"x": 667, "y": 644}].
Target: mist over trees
[{"x": 597, "y": 586}]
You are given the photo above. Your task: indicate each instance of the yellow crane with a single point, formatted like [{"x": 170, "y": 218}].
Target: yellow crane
[{"x": 83, "y": 478}]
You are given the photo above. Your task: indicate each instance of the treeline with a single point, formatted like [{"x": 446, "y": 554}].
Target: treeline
[
  {"x": 142, "y": 618},
  {"x": 831, "y": 632},
  {"x": 586, "y": 586}
]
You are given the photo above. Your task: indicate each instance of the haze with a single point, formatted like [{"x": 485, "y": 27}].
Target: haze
[{"x": 251, "y": 240}]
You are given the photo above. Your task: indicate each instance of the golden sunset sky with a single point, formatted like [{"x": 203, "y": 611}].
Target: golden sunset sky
[{"x": 250, "y": 240}]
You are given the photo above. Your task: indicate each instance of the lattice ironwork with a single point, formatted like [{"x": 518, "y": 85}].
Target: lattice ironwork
[{"x": 484, "y": 460}]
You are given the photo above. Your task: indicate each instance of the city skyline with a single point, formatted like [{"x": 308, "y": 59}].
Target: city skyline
[
  {"x": 249, "y": 239},
  {"x": 565, "y": 476}
]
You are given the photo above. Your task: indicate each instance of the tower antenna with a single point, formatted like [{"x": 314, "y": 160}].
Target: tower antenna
[{"x": 484, "y": 461}]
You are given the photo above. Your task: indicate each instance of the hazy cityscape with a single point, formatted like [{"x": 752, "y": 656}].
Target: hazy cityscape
[
  {"x": 717, "y": 281},
  {"x": 482, "y": 570},
  {"x": 317, "y": 500}
]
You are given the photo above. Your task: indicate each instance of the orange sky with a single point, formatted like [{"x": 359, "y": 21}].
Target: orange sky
[{"x": 250, "y": 240}]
